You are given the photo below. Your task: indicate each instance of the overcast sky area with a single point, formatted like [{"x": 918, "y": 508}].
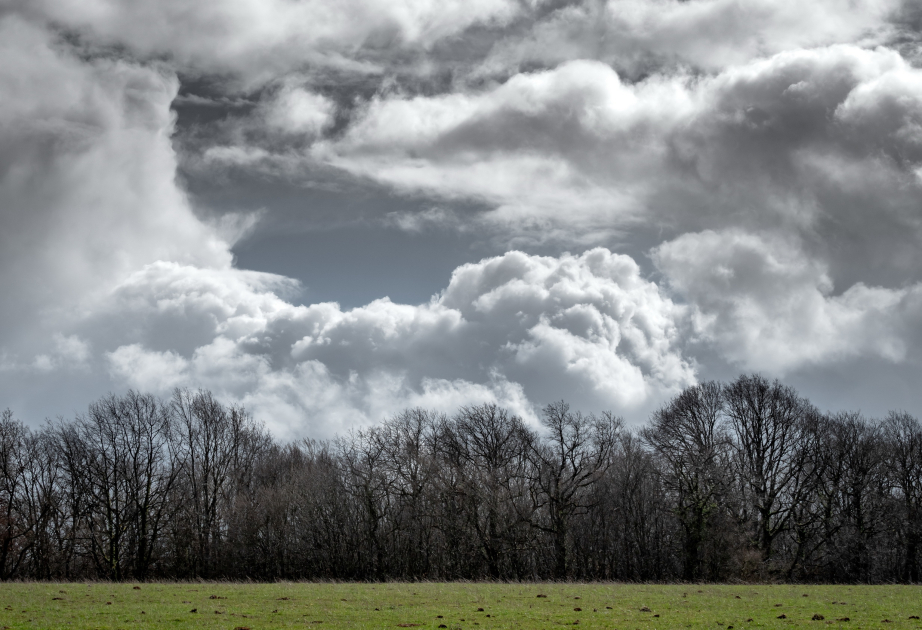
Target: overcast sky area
[{"x": 330, "y": 210}]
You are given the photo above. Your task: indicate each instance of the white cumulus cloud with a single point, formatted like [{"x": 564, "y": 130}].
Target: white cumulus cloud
[
  {"x": 516, "y": 329},
  {"x": 768, "y": 306}
]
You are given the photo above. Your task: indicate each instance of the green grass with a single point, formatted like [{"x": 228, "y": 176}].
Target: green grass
[{"x": 427, "y": 605}]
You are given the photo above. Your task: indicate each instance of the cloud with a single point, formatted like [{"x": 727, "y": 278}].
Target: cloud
[
  {"x": 575, "y": 137},
  {"x": 430, "y": 218},
  {"x": 767, "y": 305},
  {"x": 131, "y": 286},
  {"x": 295, "y": 110},
  {"x": 515, "y": 329},
  {"x": 641, "y": 124},
  {"x": 824, "y": 142},
  {"x": 637, "y": 36},
  {"x": 770, "y": 154},
  {"x": 259, "y": 40},
  {"x": 306, "y": 399},
  {"x": 87, "y": 190},
  {"x": 148, "y": 370},
  {"x": 70, "y": 352},
  {"x": 591, "y": 318}
]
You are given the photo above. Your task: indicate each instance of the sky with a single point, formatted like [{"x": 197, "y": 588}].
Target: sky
[{"x": 331, "y": 210}]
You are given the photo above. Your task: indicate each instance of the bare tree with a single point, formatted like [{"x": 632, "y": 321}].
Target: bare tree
[
  {"x": 363, "y": 458},
  {"x": 854, "y": 448},
  {"x": 903, "y": 439},
  {"x": 768, "y": 421},
  {"x": 806, "y": 498},
  {"x": 325, "y": 521},
  {"x": 216, "y": 446},
  {"x": 691, "y": 442},
  {"x": 574, "y": 454},
  {"x": 408, "y": 440},
  {"x": 119, "y": 457},
  {"x": 486, "y": 449},
  {"x": 42, "y": 505},
  {"x": 628, "y": 525},
  {"x": 15, "y": 528}
]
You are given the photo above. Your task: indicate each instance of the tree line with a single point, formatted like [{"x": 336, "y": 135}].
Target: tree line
[{"x": 740, "y": 480}]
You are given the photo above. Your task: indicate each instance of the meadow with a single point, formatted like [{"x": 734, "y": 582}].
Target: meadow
[{"x": 230, "y": 606}]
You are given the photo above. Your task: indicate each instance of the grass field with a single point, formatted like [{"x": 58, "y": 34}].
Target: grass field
[{"x": 438, "y": 605}]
